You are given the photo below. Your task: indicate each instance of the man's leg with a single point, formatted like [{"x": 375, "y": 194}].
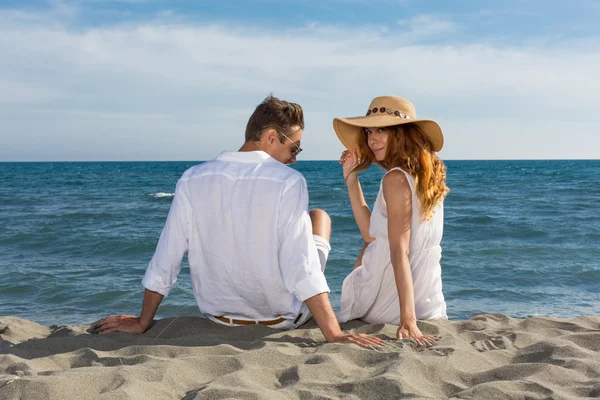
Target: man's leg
[
  {"x": 321, "y": 233},
  {"x": 321, "y": 223}
]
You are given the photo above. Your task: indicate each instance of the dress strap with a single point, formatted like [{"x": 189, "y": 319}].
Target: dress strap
[
  {"x": 396, "y": 168},
  {"x": 409, "y": 178}
]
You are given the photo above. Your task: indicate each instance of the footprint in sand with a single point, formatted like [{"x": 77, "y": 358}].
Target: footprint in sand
[
  {"x": 490, "y": 344},
  {"x": 440, "y": 351}
]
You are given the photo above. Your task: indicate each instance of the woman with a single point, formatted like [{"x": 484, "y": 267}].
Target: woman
[{"x": 397, "y": 277}]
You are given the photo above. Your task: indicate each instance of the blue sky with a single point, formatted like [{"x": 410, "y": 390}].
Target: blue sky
[{"x": 177, "y": 80}]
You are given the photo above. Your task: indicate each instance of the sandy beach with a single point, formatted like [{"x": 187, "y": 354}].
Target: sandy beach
[{"x": 486, "y": 357}]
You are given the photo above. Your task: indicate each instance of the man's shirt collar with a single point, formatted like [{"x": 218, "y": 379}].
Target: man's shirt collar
[{"x": 245, "y": 156}]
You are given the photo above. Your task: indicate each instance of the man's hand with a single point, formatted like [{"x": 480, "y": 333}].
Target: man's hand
[
  {"x": 120, "y": 323},
  {"x": 361, "y": 339},
  {"x": 321, "y": 309},
  {"x": 131, "y": 323}
]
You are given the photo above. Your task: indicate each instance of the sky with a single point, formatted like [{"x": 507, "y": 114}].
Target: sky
[{"x": 110, "y": 80}]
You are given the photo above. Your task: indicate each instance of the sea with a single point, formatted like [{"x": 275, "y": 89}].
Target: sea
[{"x": 521, "y": 238}]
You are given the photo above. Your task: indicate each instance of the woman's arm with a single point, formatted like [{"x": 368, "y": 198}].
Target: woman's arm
[
  {"x": 362, "y": 213},
  {"x": 398, "y": 197}
]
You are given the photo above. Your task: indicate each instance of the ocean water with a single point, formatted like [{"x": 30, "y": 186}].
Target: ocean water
[{"x": 521, "y": 237}]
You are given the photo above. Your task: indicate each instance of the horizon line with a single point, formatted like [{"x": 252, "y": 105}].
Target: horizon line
[{"x": 300, "y": 161}]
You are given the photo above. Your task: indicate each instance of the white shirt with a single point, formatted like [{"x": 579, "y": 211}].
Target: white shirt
[{"x": 243, "y": 219}]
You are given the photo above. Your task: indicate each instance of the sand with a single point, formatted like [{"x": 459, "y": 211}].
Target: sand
[{"x": 486, "y": 357}]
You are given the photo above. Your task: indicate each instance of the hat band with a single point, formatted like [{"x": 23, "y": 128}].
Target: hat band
[{"x": 389, "y": 111}]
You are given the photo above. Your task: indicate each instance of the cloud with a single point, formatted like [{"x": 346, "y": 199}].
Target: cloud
[
  {"x": 175, "y": 90},
  {"x": 424, "y": 26},
  {"x": 117, "y": 1},
  {"x": 504, "y": 12}
]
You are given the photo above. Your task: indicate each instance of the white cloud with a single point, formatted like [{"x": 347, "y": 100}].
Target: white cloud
[
  {"x": 117, "y": 1},
  {"x": 158, "y": 90},
  {"x": 509, "y": 11},
  {"x": 424, "y": 26}
]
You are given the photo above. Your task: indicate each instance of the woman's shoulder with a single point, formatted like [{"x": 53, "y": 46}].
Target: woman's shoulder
[
  {"x": 396, "y": 176},
  {"x": 394, "y": 181}
]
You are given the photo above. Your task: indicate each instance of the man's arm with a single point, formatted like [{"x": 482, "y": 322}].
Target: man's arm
[
  {"x": 131, "y": 323},
  {"x": 162, "y": 271},
  {"x": 301, "y": 268},
  {"x": 322, "y": 312}
]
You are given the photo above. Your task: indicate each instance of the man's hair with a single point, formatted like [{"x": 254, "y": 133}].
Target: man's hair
[{"x": 277, "y": 114}]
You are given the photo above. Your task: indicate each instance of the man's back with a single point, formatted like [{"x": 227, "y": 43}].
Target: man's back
[
  {"x": 243, "y": 216},
  {"x": 243, "y": 220}
]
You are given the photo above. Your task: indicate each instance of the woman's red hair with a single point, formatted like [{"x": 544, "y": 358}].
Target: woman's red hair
[{"x": 408, "y": 148}]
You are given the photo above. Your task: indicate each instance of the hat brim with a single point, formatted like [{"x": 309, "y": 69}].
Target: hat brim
[{"x": 347, "y": 129}]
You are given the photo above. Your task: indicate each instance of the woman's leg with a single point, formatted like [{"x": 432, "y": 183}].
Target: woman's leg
[{"x": 360, "y": 256}]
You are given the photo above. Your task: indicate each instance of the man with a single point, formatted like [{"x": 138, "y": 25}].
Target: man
[{"x": 256, "y": 255}]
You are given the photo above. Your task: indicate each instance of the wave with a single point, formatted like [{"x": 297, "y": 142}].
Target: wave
[{"x": 161, "y": 195}]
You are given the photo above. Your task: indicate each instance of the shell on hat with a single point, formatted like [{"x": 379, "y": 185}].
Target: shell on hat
[
  {"x": 394, "y": 103},
  {"x": 387, "y": 111}
]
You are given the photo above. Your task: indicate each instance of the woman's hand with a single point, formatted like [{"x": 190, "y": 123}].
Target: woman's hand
[
  {"x": 410, "y": 330},
  {"x": 349, "y": 160}
]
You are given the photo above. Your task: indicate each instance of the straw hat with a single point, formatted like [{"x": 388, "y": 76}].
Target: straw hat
[{"x": 387, "y": 111}]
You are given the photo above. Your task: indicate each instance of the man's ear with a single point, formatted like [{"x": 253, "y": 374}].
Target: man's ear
[{"x": 271, "y": 136}]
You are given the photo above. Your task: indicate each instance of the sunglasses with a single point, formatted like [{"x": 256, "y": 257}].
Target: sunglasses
[{"x": 298, "y": 149}]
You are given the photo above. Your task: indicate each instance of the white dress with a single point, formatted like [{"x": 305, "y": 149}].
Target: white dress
[{"x": 369, "y": 292}]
